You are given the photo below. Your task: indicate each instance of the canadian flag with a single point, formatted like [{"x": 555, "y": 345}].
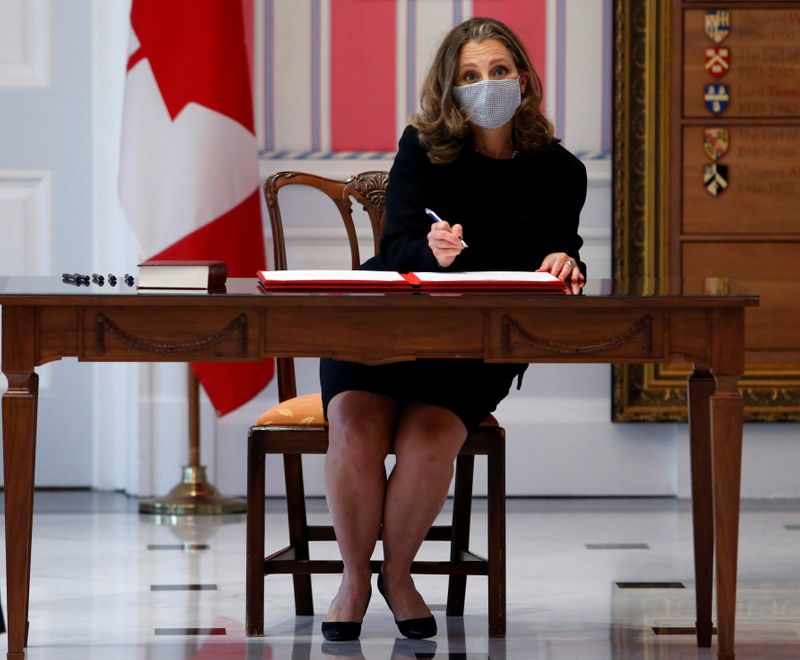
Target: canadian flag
[{"x": 189, "y": 171}]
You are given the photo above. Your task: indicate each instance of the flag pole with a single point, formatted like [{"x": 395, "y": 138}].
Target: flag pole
[{"x": 194, "y": 494}]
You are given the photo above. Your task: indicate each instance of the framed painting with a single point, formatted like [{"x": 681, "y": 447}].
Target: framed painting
[{"x": 672, "y": 220}]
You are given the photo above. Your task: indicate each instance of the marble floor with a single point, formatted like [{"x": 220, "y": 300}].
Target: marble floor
[{"x": 109, "y": 583}]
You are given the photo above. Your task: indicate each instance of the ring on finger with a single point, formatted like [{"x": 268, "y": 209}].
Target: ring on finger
[{"x": 571, "y": 263}]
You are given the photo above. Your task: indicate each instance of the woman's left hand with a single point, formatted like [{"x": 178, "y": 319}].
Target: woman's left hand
[{"x": 562, "y": 266}]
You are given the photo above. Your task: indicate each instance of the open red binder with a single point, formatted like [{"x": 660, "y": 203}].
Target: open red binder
[{"x": 389, "y": 281}]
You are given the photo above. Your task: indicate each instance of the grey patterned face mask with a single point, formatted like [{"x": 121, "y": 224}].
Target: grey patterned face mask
[{"x": 489, "y": 103}]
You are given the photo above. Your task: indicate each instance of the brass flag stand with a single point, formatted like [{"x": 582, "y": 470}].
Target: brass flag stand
[{"x": 194, "y": 495}]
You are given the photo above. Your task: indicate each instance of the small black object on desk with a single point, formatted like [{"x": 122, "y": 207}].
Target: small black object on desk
[
  {"x": 80, "y": 280},
  {"x": 75, "y": 278}
]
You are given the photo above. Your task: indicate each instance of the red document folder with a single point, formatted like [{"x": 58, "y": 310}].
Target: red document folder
[
  {"x": 505, "y": 281},
  {"x": 332, "y": 280},
  {"x": 379, "y": 281}
]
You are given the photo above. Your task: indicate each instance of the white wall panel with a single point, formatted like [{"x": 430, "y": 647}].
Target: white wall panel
[
  {"x": 551, "y": 57},
  {"x": 325, "y": 74},
  {"x": 163, "y": 424},
  {"x": 769, "y": 461},
  {"x": 45, "y": 186},
  {"x": 583, "y": 76},
  {"x": 433, "y": 21},
  {"x": 25, "y": 222},
  {"x": 12, "y": 31},
  {"x": 292, "y": 73},
  {"x": 402, "y": 54},
  {"x": 24, "y": 43},
  {"x": 595, "y": 225}
]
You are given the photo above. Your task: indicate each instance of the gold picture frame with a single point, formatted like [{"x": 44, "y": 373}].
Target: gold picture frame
[{"x": 643, "y": 61}]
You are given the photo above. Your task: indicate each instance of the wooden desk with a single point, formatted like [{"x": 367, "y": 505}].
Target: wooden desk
[{"x": 44, "y": 320}]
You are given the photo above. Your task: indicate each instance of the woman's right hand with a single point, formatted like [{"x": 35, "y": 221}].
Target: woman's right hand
[{"x": 445, "y": 242}]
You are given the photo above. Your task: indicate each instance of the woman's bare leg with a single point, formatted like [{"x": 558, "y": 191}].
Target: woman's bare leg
[
  {"x": 427, "y": 441},
  {"x": 360, "y": 426}
]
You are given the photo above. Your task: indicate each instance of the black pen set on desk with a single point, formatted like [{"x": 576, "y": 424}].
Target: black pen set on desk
[
  {"x": 75, "y": 278},
  {"x": 84, "y": 280}
]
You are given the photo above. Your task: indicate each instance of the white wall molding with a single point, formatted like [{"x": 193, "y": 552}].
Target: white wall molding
[{"x": 25, "y": 43}]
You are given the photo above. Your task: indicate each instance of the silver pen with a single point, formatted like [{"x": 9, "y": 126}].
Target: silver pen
[{"x": 436, "y": 218}]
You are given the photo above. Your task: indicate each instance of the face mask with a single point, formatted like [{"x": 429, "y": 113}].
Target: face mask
[{"x": 489, "y": 103}]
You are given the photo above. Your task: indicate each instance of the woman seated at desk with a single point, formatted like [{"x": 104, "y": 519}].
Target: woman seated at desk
[{"x": 482, "y": 156}]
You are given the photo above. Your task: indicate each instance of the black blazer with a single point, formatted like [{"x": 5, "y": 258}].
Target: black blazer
[{"x": 514, "y": 212}]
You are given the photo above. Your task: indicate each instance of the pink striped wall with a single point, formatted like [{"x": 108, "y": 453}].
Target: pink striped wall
[
  {"x": 527, "y": 19},
  {"x": 343, "y": 75},
  {"x": 362, "y": 56}
]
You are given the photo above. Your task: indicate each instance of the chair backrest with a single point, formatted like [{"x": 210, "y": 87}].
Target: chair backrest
[{"x": 367, "y": 188}]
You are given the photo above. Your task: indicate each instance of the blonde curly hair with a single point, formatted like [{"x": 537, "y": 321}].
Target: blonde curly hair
[{"x": 441, "y": 125}]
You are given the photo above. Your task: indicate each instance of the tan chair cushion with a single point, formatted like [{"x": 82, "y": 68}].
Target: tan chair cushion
[{"x": 306, "y": 410}]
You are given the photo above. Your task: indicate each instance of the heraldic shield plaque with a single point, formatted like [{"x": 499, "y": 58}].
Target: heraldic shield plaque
[{"x": 707, "y": 182}]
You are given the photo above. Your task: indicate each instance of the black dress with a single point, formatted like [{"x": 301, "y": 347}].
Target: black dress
[{"x": 514, "y": 212}]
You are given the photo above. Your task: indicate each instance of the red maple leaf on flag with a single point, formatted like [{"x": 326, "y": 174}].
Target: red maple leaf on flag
[{"x": 185, "y": 40}]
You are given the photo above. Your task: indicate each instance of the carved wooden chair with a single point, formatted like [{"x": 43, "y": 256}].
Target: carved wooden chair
[{"x": 296, "y": 427}]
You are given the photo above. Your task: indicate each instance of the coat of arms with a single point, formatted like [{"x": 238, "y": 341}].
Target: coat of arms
[
  {"x": 718, "y": 24},
  {"x": 715, "y": 142},
  {"x": 715, "y": 178},
  {"x": 717, "y": 96},
  {"x": 717, "y": 61}
]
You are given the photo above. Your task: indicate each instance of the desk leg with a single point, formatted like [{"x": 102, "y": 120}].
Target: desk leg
[
  {"x": 254, "y": 587},
  {"x": 726, "y": 422},
  {"x": 19, "y": 453},
  {"x": 496, "y": 466},
  {"x": 701, "y": 387}
]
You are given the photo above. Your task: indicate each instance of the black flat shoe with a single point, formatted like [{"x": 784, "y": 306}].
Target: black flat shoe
[
  {"x": 343, "y": 631},
  {"x": 420, "y": 628}
]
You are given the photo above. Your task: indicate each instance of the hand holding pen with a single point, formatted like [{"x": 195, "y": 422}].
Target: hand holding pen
[
  {"x": 445, "y": 241},
  {"x": 436, "y": 218}
]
